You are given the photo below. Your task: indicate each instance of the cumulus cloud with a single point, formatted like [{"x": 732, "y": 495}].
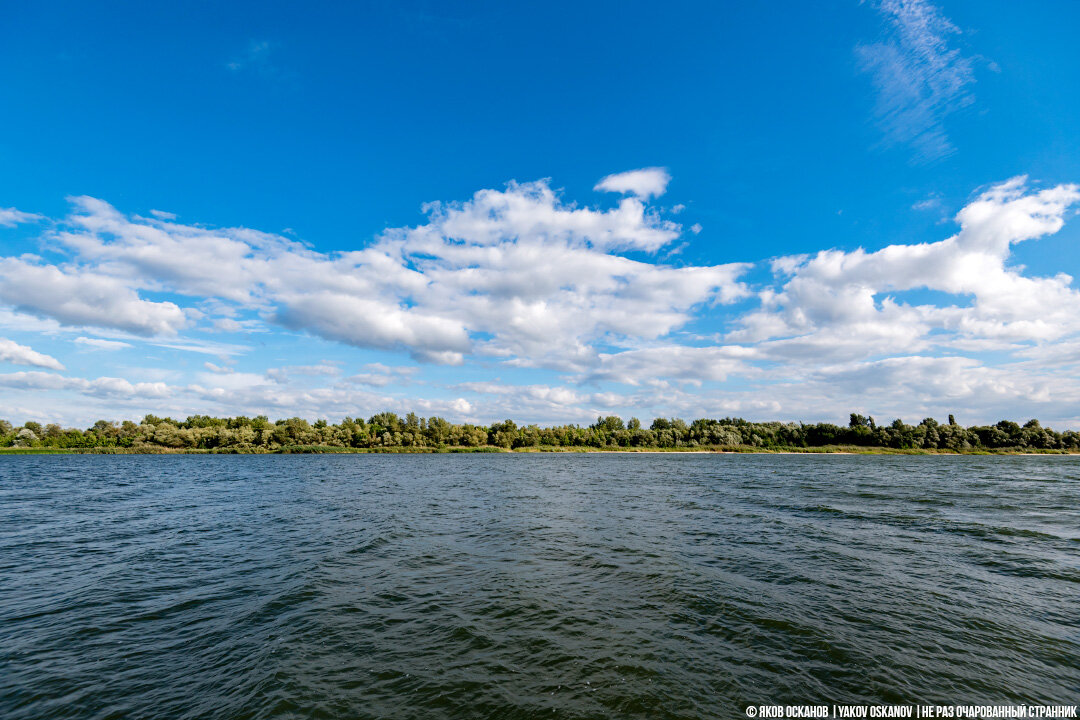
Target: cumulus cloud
[
  {"x": 644, "y": 183},
  {"x": 519, "y": 279},
  {"x": 79, "y": 298},
  {"x": 533, "y": 211},
  {"x": 13, "y": 352},
  {"x": 370, "y": 323},
  {"x": 838, "y": 293},
  {"x": 516, "y": 273}
]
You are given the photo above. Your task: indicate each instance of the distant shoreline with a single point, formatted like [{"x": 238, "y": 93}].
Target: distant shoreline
[
  {"x": 389, "y": 432},
  {"x": 334, "y": 450}
]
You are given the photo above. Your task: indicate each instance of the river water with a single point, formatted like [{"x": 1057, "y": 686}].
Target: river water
[{"x": 526, "y": 586}]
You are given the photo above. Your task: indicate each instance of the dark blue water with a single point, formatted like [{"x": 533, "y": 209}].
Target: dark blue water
[{"x": 522, "y": 586}]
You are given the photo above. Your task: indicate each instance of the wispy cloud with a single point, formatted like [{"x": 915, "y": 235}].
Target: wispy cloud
[
  {"x": 932, "y": 202},
  {"x": 100, "y": 344},
  {"x": 918, "y": 76},
  {"x": 10, "y": 217},
  {"x": 257, "y": 58}
]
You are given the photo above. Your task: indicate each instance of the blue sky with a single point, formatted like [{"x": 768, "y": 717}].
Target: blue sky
[{"x": 810, "y": 209}]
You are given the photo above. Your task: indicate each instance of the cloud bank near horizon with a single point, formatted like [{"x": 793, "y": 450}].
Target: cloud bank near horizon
[{"x": 518, "y": 302}]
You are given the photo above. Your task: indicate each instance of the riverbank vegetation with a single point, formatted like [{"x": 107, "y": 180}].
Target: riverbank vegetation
[{"x": 387, "y": 432}]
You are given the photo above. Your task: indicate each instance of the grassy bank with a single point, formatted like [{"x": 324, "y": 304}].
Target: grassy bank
[{"x": 335, "y": 450}]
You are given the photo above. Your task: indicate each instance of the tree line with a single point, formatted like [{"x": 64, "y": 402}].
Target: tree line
[{"x": 387, "y": 430}]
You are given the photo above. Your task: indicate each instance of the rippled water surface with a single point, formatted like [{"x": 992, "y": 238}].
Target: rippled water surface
[{"x": 522, "y": 586}]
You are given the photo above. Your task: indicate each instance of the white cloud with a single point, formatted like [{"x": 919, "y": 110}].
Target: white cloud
[
  {"x": 538, "y": 280},
  {"x": 10, "y": 217},
  {"x": 98, "y": 387},
  {"x": 12, "y": 320},
  {"x": 835, "y": 293},
  {"x": 227, "y": 263},
  {"x": 227, "y": 324},
  {"x": 284, "y": 374},
  {"x": 80, "y": 298},
  {"x": 35, "y": 380},
  {"x": 533, "y": 212},
  {"x": 232, "y": 381},
  {"x": 913, "y": 387},
  {"x": 372, "y": 379},
  {"x": 368, "y": 322},
  {"x": 919, "y": 78},
  {"x": 100, "y": 344},
  {"x": 221, "y": 369},
  {"x": 379, "y": 375},
  {"x": 12, "y": 352},
  {"x": 544, "y": 402},
  {"x": 110, "y": 386},
  {"x": 655, "y": 365},
  {"x": 255, "y": 398},
  {"x": 518, "y": 279},
  {"x": 644, "y": 183},
  {"x": 203, "y": 347}
]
